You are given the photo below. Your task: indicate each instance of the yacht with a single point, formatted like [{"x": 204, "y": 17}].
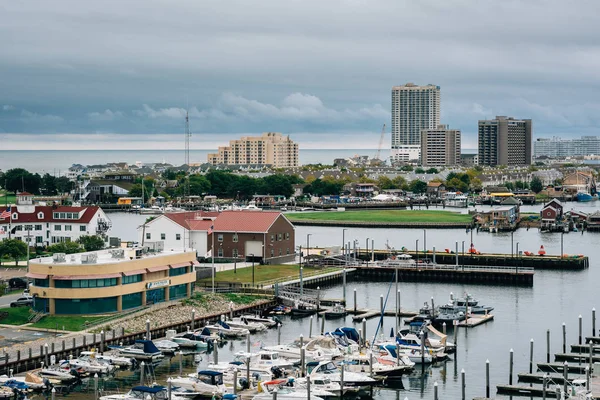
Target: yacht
[
  {"x": 449, "y": 313},
  {"x": 265, "y": 358},
  {"x": 324, "y": 383},
  {"x": 387, "y": 352},
  {"x": 287, "y": 386},
  {"x": 166, "y": 346},
  {"x": 268, "y": 322},
  {"x": 316, "y": 349},
  {"x": 194, "y": 340},
  {"x": 88, "y": 364}
]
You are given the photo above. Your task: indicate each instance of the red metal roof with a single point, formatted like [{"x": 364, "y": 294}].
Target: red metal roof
[
  {"x": 136, "y": 272},
  {"x": 24, "y": 194},
  {"x": 179, "y": 265},
  {"x": 158, "y": 268},
  {"x": 245, "y": 221},
  {"x": 36, "y": 276},
  {"x": 76, "y": 277},
  {"x": 48, "y": 212},
  {"x": 226, "y": 221}
]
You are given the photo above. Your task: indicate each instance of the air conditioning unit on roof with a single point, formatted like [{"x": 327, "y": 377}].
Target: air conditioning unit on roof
[{"x": 59, "y": 257}]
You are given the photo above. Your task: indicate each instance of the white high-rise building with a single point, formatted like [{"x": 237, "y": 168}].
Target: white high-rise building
[{"x": 414, "y": 108}]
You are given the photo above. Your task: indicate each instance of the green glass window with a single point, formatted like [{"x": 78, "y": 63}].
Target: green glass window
[
  {"x": 155, "y": 296},
  {"x": 178, "y": 271},
  {"x": 131, "y": 300},
  {"x": 131, "y": 279},
  {"x": 41, "y": 282},
  {"x": 86, "y": 306},
  {"x": 85, "y": 283},
  {"x": 40, "y": 305},
  {"x": 177, "y": 291}
]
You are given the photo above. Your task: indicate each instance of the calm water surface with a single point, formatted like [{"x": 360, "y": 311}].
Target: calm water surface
[{"x": 521, "y": 313}]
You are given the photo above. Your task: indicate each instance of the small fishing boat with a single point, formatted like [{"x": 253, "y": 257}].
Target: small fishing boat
[
  {"x": 337, "y": 311},
  {"x": 110, "y": 359},
  {"x": 280, "y": 310},
  {"x": 141, "y": 350},
  {"x": 585, "y": 197},
  {"x": 265, "y": 358},
  {"x": 88, "y": 364},
  {"x": 33, "y": 381},
  {"x": 381, "y": 368},
  {"x": 58, "y": 375},
  {"x": 449, "y": 313},
  {"x": 327, "y": 369}
]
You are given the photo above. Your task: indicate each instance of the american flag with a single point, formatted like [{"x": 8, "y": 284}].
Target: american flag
[
  {"x": 5, "y": 214},
  {"x": 210, "y": 231}
]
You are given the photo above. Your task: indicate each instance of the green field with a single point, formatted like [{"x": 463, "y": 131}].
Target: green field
[
  {"x": 16, "y": 316},
  {"x": 264, "y": 273},
  {"x": 382, "y": 216},
  {"x": 11, "y": 199},
  {"x": 66, "y": 322}
]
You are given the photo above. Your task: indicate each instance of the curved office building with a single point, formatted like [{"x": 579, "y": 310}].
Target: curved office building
[{"x": 108, "y": 281}]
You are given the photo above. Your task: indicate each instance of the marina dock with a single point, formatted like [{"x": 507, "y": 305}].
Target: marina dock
[{"x": 476, "y": 320}]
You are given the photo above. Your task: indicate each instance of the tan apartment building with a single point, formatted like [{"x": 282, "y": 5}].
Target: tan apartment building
[
  {"x": 109, "y": 281},
  {"x": 504, "y": 141},
  {"x": 440, "y": 146},
  {"x": 271, "y": 148}
]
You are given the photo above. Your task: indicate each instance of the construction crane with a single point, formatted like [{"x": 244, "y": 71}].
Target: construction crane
[{"x": 380, "y": 143}]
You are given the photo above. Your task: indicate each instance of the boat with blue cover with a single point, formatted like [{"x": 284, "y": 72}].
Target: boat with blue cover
[{"x": 142, "y": 350}]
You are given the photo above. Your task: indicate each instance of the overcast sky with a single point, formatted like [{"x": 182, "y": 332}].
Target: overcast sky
[{"x": 119, "y": 74}]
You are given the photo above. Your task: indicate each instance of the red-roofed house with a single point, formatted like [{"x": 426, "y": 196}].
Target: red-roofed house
[
  {"x": 45, "y": 225},
  {"x": 260, "y": 235}
]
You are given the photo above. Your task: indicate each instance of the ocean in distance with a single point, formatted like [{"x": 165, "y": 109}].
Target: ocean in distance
[{"x": 57, "y": 161}]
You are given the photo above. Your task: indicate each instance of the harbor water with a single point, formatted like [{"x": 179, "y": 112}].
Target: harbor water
[{"x": 521, "y": 313}]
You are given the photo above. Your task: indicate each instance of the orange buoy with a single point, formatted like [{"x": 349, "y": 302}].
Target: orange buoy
[{"x": 542, "y": 252}]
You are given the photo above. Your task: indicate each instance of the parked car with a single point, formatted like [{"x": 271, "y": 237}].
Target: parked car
[
  {"x": 17, "y": 283},
  {"x": 26, "y": 301}
]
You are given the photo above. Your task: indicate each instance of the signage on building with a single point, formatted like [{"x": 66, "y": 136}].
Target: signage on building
[{"x": 158, "y": 284}]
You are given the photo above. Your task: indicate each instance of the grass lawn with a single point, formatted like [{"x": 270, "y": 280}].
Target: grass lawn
[
  {"x": 265, "y": 273},
  {"x": 382, "y": 216},
  {"x": 69, "y": 322},
  {"x": 16, "y": 316},
  {"x": 12, "y": 199}
]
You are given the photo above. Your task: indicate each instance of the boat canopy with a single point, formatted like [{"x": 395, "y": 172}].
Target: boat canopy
[
  {"x": 148, "y": 389},
  {"x": 223, "y": 324},
  {"x": 205, "y": 332},
  {"x": 148, "y": 346},
  {"x": 350, "y": 333}
]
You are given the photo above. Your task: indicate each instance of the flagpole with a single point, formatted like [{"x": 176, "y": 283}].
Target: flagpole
[{"x": 212, "y": 253}]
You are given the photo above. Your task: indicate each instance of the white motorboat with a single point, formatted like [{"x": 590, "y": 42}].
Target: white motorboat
[
  {"x": 194, "y": 340},
  {"x": 30, "y": 379},
  {"x": 268, "y": 322},
  {"x": 142, "y": 350},
  {"x": 257, "y": 374},
  {"x": 319, "y": 348},
  {"x": 325, "y": 384},
  {"x": 166, "y": 346},
  {"x": 287, "y": 393},
  {"x": 222, "y": 328},
  {"x": 327, "y": 369},
  {"x": 57, "y": 375},
  {"x": 155, "y": 392},
  {"x": 241, "y": 322},
  {"x": 88, "y": 364},
  {"x": 387, "y": 352},
  {"x": 111, "y": 359},
  {"x": 380, "y": 367},
  {"x": 204, "y": 383},
  {"x": 265, "y": 358}
]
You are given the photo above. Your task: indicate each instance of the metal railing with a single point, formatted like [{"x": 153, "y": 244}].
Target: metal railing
[{"x": 470, "y": 268}]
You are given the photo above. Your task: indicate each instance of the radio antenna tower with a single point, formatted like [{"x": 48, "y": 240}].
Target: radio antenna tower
[{"x": 188, "y": 134}]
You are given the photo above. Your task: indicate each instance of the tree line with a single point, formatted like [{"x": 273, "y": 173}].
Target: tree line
[{"x": 20, "y": 180}]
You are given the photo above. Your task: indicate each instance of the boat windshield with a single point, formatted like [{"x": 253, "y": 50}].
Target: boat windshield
[{"x": 328, "y": 368}]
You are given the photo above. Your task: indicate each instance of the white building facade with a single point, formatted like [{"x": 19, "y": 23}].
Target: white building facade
[{"x": 414, "y": 108}]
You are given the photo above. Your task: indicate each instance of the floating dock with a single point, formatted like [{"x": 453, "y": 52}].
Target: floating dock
[
  {"x": 576, "y": 357},
  {"x": 364, "y": 313},
  {"x": 475, "y": 320},
  {"x": 539, "y": 378},
  {"x": 522, "y": 390}
]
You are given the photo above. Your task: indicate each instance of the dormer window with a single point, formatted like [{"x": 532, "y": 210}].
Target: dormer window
[
  {"x": 40, "y": 215},
  {"x": 15, "y": 216}
]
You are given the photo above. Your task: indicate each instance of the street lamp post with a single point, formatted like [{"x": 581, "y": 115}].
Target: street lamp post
[
  {"x": 344, "y": 241},
  {"x": 252, "y": 254},
  {"x": 417, "y": 250}
]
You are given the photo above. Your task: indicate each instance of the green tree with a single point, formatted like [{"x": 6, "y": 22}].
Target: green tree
[
  {"x": 18, "y": 179},
  {"x": 407, "y": 168},
  {"x": 64, "y": 185},
  {"x": 383, "y": 182},
  {"x": 510, "y": 186},
  {"x": 476, "y": 185},
  {"x": 536, "y": 184},
  {"x": 419, "y": 170},
  {"x": 91, "y": 242},
  {"x": 13, "y": 248},
  {"x": 457, "y": 185},
  {"x": 400, "y": 182},
  {"x": 66, "y": 247},
  {"x": 417, "y": 186},
  {"x": 48, "y": 186},
  {"x": 432, "y": 171}
]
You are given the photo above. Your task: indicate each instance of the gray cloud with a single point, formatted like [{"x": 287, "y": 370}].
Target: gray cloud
[{"x": 309, "y": 66}]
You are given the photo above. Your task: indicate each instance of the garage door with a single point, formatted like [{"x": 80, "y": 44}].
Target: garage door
[{"x": 253, "y": 247}]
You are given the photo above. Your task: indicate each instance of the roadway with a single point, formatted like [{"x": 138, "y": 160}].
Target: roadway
[{"x": 5, "y": 300}]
